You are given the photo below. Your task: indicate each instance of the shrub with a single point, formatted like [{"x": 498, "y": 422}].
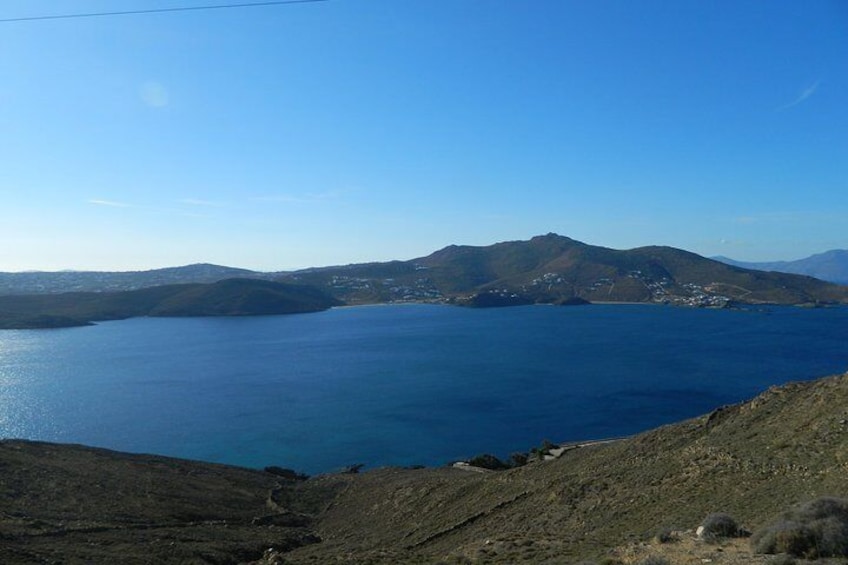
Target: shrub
[
  {"x": 544, "y": 449},
  {"x": 353, "y": 469},
  {"x": 719, "y": 525},
  {"x": 818, "y": 528},
  {"x": 666, "y": 535},
  {"x": 487, "y": 461},
  {"x": 518, "y": 459},
  {"x": 655, "y": 560},
  {"x": 288, "y": 474}
]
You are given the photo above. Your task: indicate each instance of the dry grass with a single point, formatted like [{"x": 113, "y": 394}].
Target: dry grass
[{"x": 752, "y": 461}]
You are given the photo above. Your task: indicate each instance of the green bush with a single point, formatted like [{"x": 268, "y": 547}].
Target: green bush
[
  {"x": 818, "y": 528},
  {"x": 518, "y": 459},
  {"x": 719, "y": 525},
  {"x": 665, "y": 535},
  {"x": 487, "y": 461},
  {"x": 544, "y": 449}
]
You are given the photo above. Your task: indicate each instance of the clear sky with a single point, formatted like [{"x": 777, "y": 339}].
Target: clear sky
[{"x": 362, "y": 130}]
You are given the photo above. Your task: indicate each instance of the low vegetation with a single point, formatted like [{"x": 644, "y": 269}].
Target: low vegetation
[
  {"x": 655, "y": 560},
  {"x": 818, "y": 528},
  {"x": 719, "y": 525},
  {"x": 288, "y": 474},
  {"x": 488, "y": 461}
]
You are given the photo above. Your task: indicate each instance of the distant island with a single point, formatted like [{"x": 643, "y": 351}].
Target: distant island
[{"x": 547, "y": 269}]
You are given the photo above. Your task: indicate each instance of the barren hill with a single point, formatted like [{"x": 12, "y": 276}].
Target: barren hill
[{"x": 751, "y": 460}]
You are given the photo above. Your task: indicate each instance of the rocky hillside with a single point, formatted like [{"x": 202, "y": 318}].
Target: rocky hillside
[
  {"x": 74, "y": 504},
  {"x": 751, "y": 460}
]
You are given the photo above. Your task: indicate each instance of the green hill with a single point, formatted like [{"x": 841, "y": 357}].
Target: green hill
[
  {"x": 553, "y": 269},
  {"x": 230, "y": 297},
  {"x": 74, "y": 504}
]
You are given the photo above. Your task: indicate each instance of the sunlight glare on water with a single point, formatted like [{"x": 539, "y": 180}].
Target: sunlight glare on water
[{"x": 23, "y": 412}]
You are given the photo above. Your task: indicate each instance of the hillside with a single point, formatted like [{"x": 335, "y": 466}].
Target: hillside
[
  {"x": 230, "y": 297},
  {"x": 829, "y": 266},
  {"x": 36, "y": 282},
  {"x": 554, "y": 268},
  {"x": 549, "y": 269},
  {"x": 751, "y": 460}
]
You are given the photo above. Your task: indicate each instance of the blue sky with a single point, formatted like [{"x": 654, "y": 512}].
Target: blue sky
[{"x": 364, "y": 130}]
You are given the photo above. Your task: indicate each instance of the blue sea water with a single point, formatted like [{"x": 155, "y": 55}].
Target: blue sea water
[{"x": 399, "y": 385}]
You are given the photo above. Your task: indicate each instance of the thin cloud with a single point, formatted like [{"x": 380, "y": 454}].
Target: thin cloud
[
  {"x": 193, "y": 215},
  {"x": 281, "y": 198},
  {"x": 745, "y": 220},
  {"x": 198, "y": 202},
  {"x": 805, "y": 94},
  {"x": 109, "y": 203},
  {"x": 300, "y": 199}
]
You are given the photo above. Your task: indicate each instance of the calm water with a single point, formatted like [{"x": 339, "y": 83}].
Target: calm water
[{"x": 398, "y": 385}]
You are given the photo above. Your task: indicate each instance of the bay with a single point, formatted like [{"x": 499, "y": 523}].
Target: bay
[{"x": 399, "y": 385}]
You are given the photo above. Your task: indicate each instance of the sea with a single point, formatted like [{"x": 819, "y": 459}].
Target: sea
[{"x": 399, "y": 385}]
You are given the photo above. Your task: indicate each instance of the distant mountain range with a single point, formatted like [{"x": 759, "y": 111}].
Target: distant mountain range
[
  {"x": 39, "y": 282},
  {"x": 548, "y": 269},
  {"x": 829, "y": 266}
]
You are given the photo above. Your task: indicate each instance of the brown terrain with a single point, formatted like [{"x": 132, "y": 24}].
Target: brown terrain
[{"x": 604, "y": 502}]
